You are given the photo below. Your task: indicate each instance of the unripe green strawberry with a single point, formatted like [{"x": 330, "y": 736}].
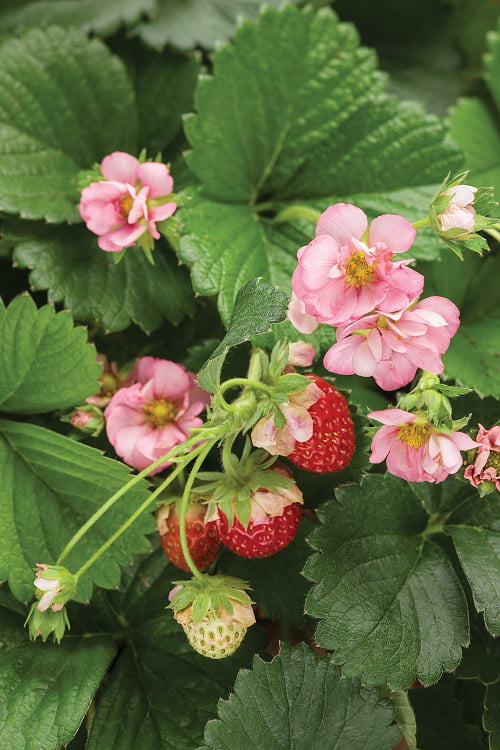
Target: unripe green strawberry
[{"x": 215, "y": 638}]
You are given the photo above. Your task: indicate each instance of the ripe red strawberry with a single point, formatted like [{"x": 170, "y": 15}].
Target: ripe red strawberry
[
  {"x": 259, "y": 539},
  {"x": 203, "y": 544},
  {"x": 332, "y": 443}
]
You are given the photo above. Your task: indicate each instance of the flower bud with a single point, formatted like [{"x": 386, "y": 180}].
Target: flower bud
[
  {"x": 55, "y": 586},
  {"x": 87, "y": 418}
]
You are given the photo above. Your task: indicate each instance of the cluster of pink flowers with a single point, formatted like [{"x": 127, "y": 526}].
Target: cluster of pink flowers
[
  {"x": 416, "y": 450},
  {"x": 486, "y": 466},
  {"x": 128, "y": 202},
  {"x": 347, "y": 277},
  {"x": 147, "y": 418}
]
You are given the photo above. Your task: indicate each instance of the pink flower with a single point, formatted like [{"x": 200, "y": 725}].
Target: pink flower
[
  {"x": 459, "y": 213},
  {"x": 299, "y": 318},
  {"x": 299, "y": 423},
  {"x": 486, "y": 466},
  {"x": 414, "y": 449},
  {"x": 145, "y": 420},
  {"x": 129, "y": 202},
  {"x": 390, "y": 347},
  {"x": 340, "y": 277}
]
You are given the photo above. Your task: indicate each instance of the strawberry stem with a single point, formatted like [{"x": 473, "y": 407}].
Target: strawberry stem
[{"x": 422, "y": 223}]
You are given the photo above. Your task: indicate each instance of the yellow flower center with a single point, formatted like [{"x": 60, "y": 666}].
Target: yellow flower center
[
  {"x": 160, "y": 412},
  {"x": 414, "y": 435},
  {"x": 126, "y": 203},
  {"x": 494, "y": 461},
  {"x": 358, "y": 271},
  {"x": 109, "y": 384}
]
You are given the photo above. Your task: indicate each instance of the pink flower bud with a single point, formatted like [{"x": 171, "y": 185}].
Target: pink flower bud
[
  {"x": 301, "y": 354},
  {"x": 459, "y": 213}
]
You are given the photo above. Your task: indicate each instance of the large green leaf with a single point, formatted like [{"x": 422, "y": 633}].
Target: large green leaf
[
  {"x": 45, "y": 690},
  {"x": 160, "y": 692},
  {"x": 388, "y": 599},
  {"x": 101, "y": 16},
  {"x": 440, "y": 720},
  {"x": 260, "y": 144},
  {"x": 475, "y": 530},
  {"x": 68, "y": 263},
  {"x": 277, "y": 583},
  {"x": 45, "y": 363},
  {"x": 65, "y": 102},
  {"x": 296, "y": 701},
  {"x": 50, "y": 485},
  {"x": 191, "y": 23}
]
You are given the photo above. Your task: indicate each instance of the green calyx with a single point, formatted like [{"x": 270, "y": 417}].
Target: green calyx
[
  {"x": 208, "y": 595},
  {"x": 43, "y": 624},
  {"x": 430, "y": 397},
  {"x": 232, "y": 489}
]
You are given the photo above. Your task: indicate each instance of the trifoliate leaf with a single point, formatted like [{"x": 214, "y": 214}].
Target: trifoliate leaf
[
  {"x": 192, "y": 23},
  {"x": 45, "y": 690},
  {"x": 45, "y": 362},
  {"x": 296, "y": 701},
  {"x": 257, "y": 307},
  {"x": 257, "y": 143},
  {"x": 388, "y": 599},
  {"x": 475, "y": 530},
  {"x": 65, "y": 102},
  {"x": 50, "y": 485},
  {"x": 103, "y": 17},
  {"x": 68, "y": 263}
]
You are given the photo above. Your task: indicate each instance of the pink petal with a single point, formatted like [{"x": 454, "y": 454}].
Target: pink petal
[
  {"x": 299, "y": 318},
  {"x": 338, "y": 358},
  {"x": 317, "y": 260},
  {"x": 382, "y": 443},
  {"x": 301, "y": 354},
  {"x": 120, "y": 166},
  {"x": 160, "y": 213},
  {"x": 171, "y": 381},
  {"x": 392, "y": 416},
  {"x": 394, "y": 231},
  {"x": 118, "y": 239},
  {"x": 342, "y": 222},
  {"x": 363, "y": 361},
  {"x": 463, "y": 195},
  {"x": 157, "y": 177},
  {"x": 299, "y": 422},
  {"x": 139, "y": 208}
]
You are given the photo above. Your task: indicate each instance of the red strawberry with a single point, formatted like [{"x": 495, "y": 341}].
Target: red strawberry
[
  {"x": 332, "y": 443},
  {"x": 202, "y": 541},
  {"x": 259, "y": 539}
]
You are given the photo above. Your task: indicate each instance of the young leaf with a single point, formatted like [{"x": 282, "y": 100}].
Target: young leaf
[
  {"x": 45, "y": 690},
  {"x": 475, "y": 530},
  {"x": 255, "y": 154},
  {"x": 50, "y": 486},
  {"x": 45, "y": 362},
  {"x": 257, "y": 307},
  {"x": 65, "y": 102},
  {"x": 296, "y": 701},
  {"x": 69, "y": 264},
  {"x": 388, "y": 599}
]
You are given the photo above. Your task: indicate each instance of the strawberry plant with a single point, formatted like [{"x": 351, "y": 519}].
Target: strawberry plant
[{"x": 249, "y": 341}]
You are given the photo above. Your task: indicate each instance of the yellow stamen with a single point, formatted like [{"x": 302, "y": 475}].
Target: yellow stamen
[
  {"x": 414, "y": 435},
  {"x": 160, "y": 412},
  {"x": 358, "y": 271},
  {"x": 126, "y": 203}
]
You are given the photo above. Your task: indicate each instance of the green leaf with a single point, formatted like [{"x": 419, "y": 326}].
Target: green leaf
[
  {"x": 45, "y": 363},
  {"x": 277, "y": 582},
  {"x": 405, "y": 717},
  {"x": 192, "y": 23},
  {"x": 296, "y": 701},
  {"x": 65, "y": 102},
  {"x": 475, "y": 530},
  {"x": 257, "y": 307},
  {"x": 440, "y": 721},
  {"x": 481, "y": 660},
  {"x": 472, "y": 358},
  {"x": 388, "y": 599},
  {"x": 257, "y": 143},
  {"x": 68, "y": 263},
  {"x": 50, "y": 485},
  {"x": 160, "y": 692},
  {"x": 491, "y": 716},
  {"x": 103, "y": 17},
  {"x": 45, "y": 690}
]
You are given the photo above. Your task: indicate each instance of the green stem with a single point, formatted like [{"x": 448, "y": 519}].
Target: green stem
[
  {"x": 422, "y": 223},
  {"x": 202, "y": 449},
  {"x": 493, "y": 233},
  {"x": 226, "y": 457},
  {"x": 246, "y": 383},
  {"x": 297, "y": 212},
  {"x": 126, "y": 487},
  {"x": 184, "y": 504}
]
